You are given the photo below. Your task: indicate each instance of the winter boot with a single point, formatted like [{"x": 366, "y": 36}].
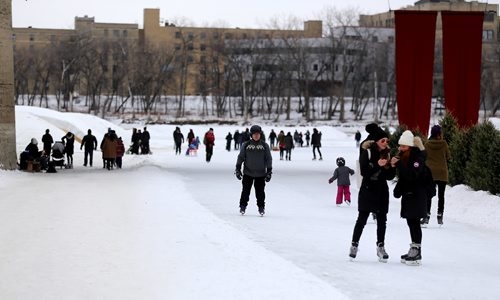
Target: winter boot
[
  {"x": 440, "y": 218},
  {"x": 414, "y": 255},
  {"x": 425, "y": 221},
  {"x": 353, "y": 250},
  {"x": 261, "y": 211},
  {"x": 382, "y": 255},
  {"x": 242, "y": 210}
]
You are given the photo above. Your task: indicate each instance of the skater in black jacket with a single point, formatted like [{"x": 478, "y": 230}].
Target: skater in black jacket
[
  {"x": 373, "y": 194},
  {"x": 258, "y": 164},
  {"x": 412, "y": 189}
]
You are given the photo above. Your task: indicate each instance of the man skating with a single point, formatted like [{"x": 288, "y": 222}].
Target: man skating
[{"x": 258, "y": 163}]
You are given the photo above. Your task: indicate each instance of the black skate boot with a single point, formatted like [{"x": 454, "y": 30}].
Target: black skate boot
[
  {"x": 374, "y": 215},
  {"x": 262, "y": 211},
  {"x": 414, "y": 255},
  {"x": 353, "y": 250},
  {"x": 382, "y": 255},
  {"x": 242, "y": 210},
  {"x": 425, "y": 221},
  {"x": 405, "y": 256},
  {"x": 440, "y": 219}
]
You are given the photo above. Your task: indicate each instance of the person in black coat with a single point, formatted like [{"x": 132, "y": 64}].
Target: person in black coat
[
  {"x": 255, "y": 156},
  {"x": 357, "y": 137},
  {"x": 373, "y": 195},
  {"x": 90, "y": 143},
  {"x": 316, "y": 143},
  {"x": 47, "y": 141},
  {"x": 229, "y": 139},
  {"x": 69, "y": 146},
  {"x": 272, "y": 138},
  {"x": 237, "y": 139},
  {"x": 411, "y": 186},
  {"x": 145, "y": 141},
  {"x": 178, "y": 140}
]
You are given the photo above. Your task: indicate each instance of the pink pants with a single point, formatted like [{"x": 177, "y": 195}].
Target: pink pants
[{"x": 343, "y": 189}]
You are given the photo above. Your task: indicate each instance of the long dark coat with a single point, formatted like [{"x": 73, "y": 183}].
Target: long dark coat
[
  {"x": 411, "y": 186},
  {"x": 374, "y": 191}
]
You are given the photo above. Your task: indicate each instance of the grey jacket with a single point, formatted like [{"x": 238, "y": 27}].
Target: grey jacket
[
  {"x": 342, "y": 175},
  {"x": 256, "y": 157}
]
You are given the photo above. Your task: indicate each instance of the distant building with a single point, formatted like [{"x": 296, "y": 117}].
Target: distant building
[{"x": 185, "y": 43}]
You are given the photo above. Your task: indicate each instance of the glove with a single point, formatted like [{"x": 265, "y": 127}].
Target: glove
[
  {"x": 238, "y": 174},
  {"x": 330, "y": 181},
  {"x": 268, "y": 176}
]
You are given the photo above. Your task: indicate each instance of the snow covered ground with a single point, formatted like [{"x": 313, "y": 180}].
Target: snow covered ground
[{"x": 168, "y": 227}]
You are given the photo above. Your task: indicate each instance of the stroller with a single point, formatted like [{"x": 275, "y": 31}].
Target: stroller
[{"x": 58, "y": 154}]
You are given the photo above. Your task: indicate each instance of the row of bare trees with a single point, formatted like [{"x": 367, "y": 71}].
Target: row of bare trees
[{"x": 265, "y": 76}]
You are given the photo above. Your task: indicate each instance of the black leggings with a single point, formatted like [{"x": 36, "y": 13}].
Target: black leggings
[
  {"x": 361, "y": 222},
  {"x": 441, "y": 186},
  {"x": 314, "y": 151},
  {"x": 415, "y": 230}
]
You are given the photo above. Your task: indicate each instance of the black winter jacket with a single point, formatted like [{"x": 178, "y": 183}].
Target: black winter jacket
[
  {"x": 374, "y": 191},
  {"x": 411, "y": 186},
  {"x": 256, "y": 157}
]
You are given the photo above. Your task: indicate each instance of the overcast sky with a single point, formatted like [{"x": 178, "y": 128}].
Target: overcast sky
[{"x": 233, "y": 13}]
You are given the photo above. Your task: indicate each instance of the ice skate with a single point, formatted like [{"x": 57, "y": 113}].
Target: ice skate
[
  {"x": 382, "y": 255},
  {"x": 425, "y": 221},
  {"x": 353, "y": 250},
  {"x": 347, "y": 201},
  {"x": 414, "y": 255},
  {"x": 261, "y": 211},
  {"x": 242, "y": 210},
  {"x": 440, "y": 219}
]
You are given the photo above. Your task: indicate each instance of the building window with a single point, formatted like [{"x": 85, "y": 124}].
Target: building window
[
  {"x": 215, "y": 35},
  {"x": 336, "y": 68},
  {"x": 203, "y": 59},
  {"x": 190, "y": 47},
  {"x": 203, "y": 35},
  {"x": 178, "y": 47},
  {"x": 315, "y": 67},
  {"x": 178, "y": 35},
  {"x": 13, "y": 36},
  {"x": 489, "y": 16},
  {"x": 32, "y": 37},
  {"x": 203, "y": 47},
  {"x": 190, "y": 35},
  {"x": 116, "y": 33},
  {"x": 487, "y": 35},
  {"x": 228, "y": 36},
  {"x": 190, "y": 59},
  {"x": 125, "y": 33}
]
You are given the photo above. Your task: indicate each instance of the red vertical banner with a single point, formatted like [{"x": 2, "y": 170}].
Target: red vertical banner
[
  {"x": 462, "y": 46},
  {"x": 415, "y": 39}
]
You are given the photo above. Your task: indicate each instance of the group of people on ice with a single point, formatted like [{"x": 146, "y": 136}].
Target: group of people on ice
[
  {"x": 53, "y": 152},
  {"x": 419, "y": 169},
  {"x": 279, "y": 142}
]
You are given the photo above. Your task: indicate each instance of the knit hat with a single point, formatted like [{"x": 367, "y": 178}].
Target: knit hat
[
  {"x": 255, "y": 129},
  {"x": 34, "y": 141},
  {"x": 435, "y": 131},
  {"x": 407, "y": 139}
]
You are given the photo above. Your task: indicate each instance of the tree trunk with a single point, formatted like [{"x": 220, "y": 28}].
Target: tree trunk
[{"x": 8, "y": 157}]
